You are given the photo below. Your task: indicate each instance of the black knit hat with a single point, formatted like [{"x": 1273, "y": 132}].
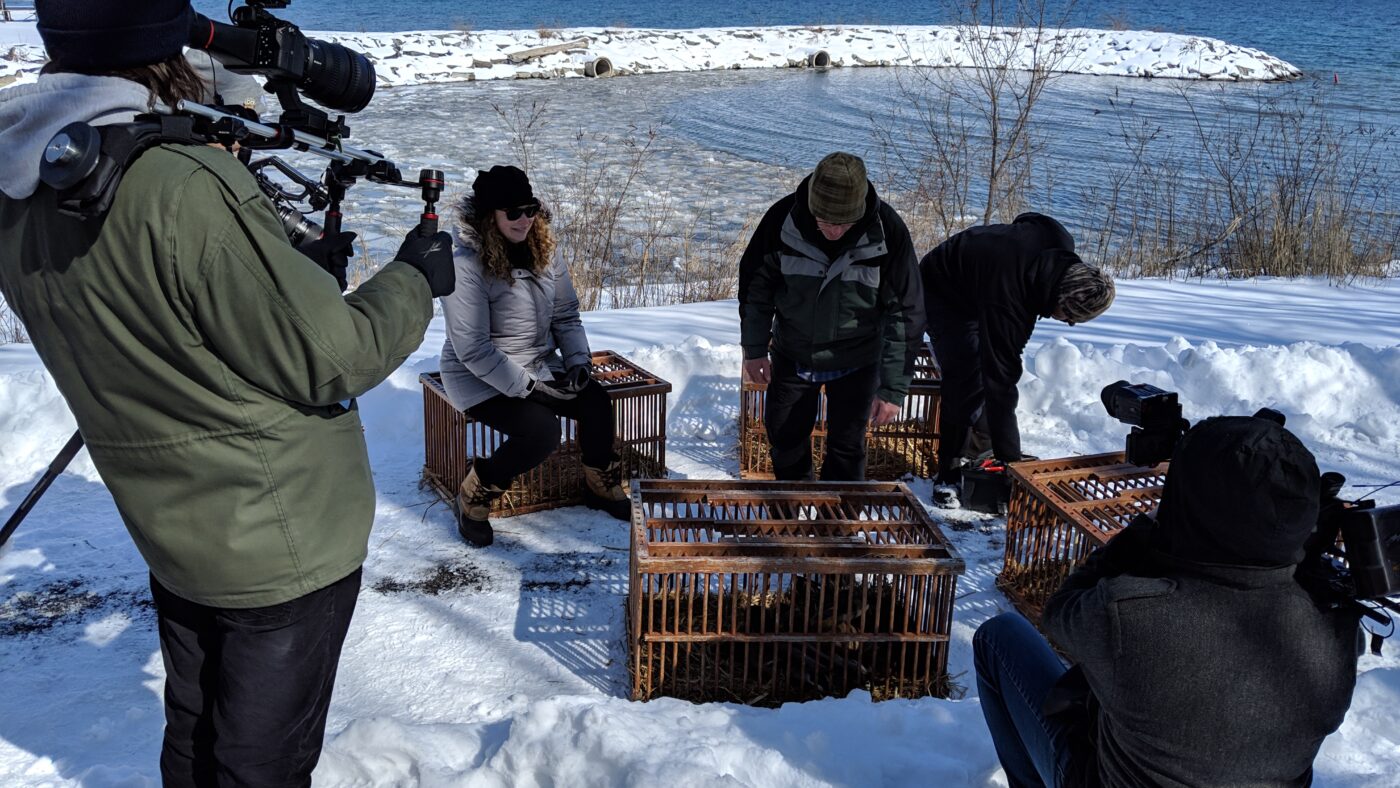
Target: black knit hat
[
  {"x": 503, "y": 186},
  {"x": 82, "y": 35},
  {"x": 1240, "y": 491}
]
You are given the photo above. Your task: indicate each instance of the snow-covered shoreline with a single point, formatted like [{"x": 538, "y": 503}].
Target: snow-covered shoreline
[{"x": 421, "y": 57}]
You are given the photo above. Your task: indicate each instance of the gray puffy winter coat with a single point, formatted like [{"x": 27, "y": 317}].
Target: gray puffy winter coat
[{"x": 501, "y": 334}]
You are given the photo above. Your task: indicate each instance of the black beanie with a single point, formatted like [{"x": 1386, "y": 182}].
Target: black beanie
[
  {"x": 1241, "y": 491},
  {"x": 503, "y": 186},
  {"x": 82, "y": 35}
]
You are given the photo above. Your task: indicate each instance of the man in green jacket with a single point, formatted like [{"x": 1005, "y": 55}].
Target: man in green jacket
[
  {"x": 829, "y": 297},
  {"x": 211, "y": 368}
]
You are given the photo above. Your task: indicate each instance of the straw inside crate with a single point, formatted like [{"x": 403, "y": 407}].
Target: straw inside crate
[{"x": 769, "y": 592}]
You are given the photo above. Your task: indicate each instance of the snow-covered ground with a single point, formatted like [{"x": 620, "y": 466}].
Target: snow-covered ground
[
  {"x": 505, "y": 666},
  {"x": 412, "y": 58}
]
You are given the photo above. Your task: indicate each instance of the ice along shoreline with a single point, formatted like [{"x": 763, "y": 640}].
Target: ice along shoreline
[{"x": 423, "y": 57}]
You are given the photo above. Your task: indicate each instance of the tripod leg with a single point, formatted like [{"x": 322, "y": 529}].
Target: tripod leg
[{"x": 65, "y": 456}]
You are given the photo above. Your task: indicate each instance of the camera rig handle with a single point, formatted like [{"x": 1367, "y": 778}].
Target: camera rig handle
[{"x": 430, "y": 181}]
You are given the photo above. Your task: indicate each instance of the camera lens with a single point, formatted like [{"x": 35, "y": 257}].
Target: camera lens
[
  {"x": 337, "y": 77},
  {"x": 1115, "y": 397},
  {"x": 298, "y": 227}
]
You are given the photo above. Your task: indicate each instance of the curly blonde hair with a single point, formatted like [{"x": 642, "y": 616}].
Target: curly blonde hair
[{"x": 491, "y": 245}]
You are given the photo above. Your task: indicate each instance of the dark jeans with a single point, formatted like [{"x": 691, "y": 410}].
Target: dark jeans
[
  {"x": 246, "y": 690},
  {"x": 956, "y": 344},
  {"x": 790, "y": 413},
  {"x": 1015, "y": 671},
  {"x": 532, "y": 432}
]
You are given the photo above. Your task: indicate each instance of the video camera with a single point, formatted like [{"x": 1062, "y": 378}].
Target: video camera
[
  {"x": 85, "y": 164},
  {"x": 329, "y": 74},
  {"x": 1356, "y": 547},
  {"x": 1155, "y": 416},
  {"x": 257, "y": 42}
]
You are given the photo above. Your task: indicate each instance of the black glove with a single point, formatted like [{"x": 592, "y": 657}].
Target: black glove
[
  {"x": 577, "y": 377},
  {"x": 432, "y": 256},
  {"x": 548, "y": 393},
  {"x": 333, "y": 253}
]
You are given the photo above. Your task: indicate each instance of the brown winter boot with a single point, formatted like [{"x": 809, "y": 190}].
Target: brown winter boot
[
  {"x": 605, "y": 491},
  {"x": 474, "y": 509}
]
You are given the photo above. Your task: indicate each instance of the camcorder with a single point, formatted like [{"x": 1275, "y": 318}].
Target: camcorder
[
  {"x": 85, "y": 164},
  {"x": 1355, "y": 550}
]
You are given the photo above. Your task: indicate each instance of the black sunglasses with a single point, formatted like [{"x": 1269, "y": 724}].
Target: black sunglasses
[{"x": 515, "y": 213}]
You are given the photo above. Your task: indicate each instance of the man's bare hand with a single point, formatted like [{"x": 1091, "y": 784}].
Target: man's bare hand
[
  {"x": 882, "y": 412},
  {"x": 758, "y": 370}
]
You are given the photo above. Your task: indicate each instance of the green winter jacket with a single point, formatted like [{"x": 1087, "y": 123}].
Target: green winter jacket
[
  {"x": 205, "y": 361},
  {"x": 852, "y": 304}
]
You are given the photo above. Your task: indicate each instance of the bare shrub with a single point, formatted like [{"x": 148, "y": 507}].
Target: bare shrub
[
  {"x": 524, "y": 122},
  {"x": 963, "y": 146},
  {"x": 11, "y": 329},
  {"x": 1275, "y": 187}
]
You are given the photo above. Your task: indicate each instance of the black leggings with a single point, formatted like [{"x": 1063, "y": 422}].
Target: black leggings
[{"x": 532, "y": 432}]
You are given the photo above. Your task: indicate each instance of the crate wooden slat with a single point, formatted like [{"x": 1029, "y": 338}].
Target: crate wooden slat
[
  {"x": 1060, "y": 511},
  {"x": 766, "y": 592},
  {"x": 451, "y": 438},
  {"x": 909, "y": 444}
]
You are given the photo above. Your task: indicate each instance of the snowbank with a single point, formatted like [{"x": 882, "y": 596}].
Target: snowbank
[{"x": 412, "y": 58}]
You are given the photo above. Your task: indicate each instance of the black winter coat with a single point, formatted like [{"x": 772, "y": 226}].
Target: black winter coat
[
  {"x": 1201, "y": 674},
  {"x": 1003, "y": 277}
]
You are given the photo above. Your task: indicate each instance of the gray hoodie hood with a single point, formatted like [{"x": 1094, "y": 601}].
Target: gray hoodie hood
[{"x": 31, "y": 114}]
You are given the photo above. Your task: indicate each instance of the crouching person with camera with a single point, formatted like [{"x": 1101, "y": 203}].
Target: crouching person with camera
[
  {"x": 516, "y": 356},
  {"x": 1199, "y": 659},
  {"x": 211, "y": 368}
]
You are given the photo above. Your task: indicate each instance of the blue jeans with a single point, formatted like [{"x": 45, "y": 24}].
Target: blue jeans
[{"x": 1015, "y": 670}]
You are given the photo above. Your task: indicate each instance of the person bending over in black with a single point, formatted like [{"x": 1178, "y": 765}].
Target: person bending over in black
[
  {"x": 984, "y": 289},
  {"x": 1200, "y": 656}
]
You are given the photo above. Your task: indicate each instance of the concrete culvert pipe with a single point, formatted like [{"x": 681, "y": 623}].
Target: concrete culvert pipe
[
  {"x": 818, "y": 58},
  {"x": 598, "y": 67}
]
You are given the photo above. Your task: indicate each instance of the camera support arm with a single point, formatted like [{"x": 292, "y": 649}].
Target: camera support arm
[{"x": 347, "y": 163}]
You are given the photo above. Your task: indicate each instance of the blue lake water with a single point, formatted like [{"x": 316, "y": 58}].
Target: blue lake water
[
  {"x": 1357, "y": 38},
  {"x": 1349, "y": 49}
]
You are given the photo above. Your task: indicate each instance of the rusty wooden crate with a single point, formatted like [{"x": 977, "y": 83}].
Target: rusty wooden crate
[
  {"x": 1060, "y": 511},
  {"x": 909, "y": 444},
  {"x": 766, "y": 592},
  {"x": 451, "y": 438}
]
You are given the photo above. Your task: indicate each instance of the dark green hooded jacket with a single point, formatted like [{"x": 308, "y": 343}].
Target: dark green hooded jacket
[{"x": 205, "y": 361}]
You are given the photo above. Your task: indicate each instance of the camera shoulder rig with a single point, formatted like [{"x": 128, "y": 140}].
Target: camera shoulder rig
[{"x": 85, "y": 163}]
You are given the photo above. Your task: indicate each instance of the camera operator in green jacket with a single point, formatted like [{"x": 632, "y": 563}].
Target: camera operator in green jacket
[
  {"x": 211, "y": 369},
  {"x": 829, "y": 298}
]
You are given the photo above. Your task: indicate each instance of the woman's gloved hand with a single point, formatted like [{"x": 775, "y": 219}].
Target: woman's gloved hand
[{"x": 577, "y": 377}]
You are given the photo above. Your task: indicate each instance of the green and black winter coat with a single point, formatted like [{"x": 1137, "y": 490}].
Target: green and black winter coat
[
  {"x": 833, "y": 305},
  {"x": 206, "y": 362}
]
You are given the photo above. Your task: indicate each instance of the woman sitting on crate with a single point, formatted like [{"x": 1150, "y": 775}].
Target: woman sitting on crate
[{"x": 516, "y": 356}]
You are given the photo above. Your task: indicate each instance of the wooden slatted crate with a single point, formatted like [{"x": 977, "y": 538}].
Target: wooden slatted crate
[
  {"x": 452, "y": 438},
  {"x": 909, "y": 444},
  {"x": 768, "y": 592},
  {"x": 1060, "y": 511}
]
